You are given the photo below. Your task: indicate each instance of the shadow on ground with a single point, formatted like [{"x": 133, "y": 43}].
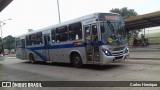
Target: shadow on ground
[{"x": 88, "y": 66}]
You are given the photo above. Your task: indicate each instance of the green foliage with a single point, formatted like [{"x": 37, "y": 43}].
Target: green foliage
[
  {"x": 126, "y": 13},
  {"x": 155, "y": 34},
  {"x": 9, "y": 42},
  {"x": 154, "y": 38}
]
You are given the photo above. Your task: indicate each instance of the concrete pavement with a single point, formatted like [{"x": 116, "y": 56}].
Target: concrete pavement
[
  {"x": 13, "y": 69},
  {"x": 151, "y": 52}
]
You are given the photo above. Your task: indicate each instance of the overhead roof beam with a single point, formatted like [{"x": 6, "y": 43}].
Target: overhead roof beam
[
  {"x": 143, "y": 21},
  {"x": 4, "y": 3},
  {"x": 153, "y": 21}
]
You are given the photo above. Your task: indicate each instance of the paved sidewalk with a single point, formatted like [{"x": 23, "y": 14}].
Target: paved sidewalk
[
  {"x": 149, "y": 52},
  {"x": 146, "y": 48},
  {"x": 10, "y": 55}
]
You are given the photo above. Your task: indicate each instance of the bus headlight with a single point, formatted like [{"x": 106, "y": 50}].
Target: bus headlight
[
  {"x": 127, "y": 49},
  {"x": 107, "y": 52}
]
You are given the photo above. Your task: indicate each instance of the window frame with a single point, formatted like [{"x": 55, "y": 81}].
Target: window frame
[
  {"x": 60, "y": 34},
  {"x": 53, "y": 33},
  {"x": 75, "y": 29},
  {"x": 18, "y": 43},
  {"x": 39, "y": 38}
]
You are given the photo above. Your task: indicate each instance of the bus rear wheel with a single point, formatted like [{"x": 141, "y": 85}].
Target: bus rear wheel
[
  {"x": 31, "y": 58},
  {"x": 76, "y": 60}
]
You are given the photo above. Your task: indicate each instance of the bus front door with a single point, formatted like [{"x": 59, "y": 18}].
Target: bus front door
[
  {"x": 92, "y": 48},
  {"x": 46, "y": 46}
]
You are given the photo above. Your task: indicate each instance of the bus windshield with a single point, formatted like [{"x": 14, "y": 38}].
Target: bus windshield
[{"x": 114, "y": 31}]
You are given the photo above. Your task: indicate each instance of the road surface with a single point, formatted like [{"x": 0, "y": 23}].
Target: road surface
[{"x": 13, "y": 69}]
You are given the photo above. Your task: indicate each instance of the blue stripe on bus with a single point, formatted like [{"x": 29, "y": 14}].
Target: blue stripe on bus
[
  {"x": 44, "y": 58},
  {"x": 38, "y": 54}
]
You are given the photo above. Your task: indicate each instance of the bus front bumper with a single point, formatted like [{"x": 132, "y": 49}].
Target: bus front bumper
[{"x": 112, "y": 59}]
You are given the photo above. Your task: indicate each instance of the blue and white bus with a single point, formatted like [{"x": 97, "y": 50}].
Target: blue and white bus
[{"x": 97, "y": 38}]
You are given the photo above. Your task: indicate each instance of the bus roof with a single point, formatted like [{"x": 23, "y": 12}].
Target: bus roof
[{"x": 94, "y": 15}]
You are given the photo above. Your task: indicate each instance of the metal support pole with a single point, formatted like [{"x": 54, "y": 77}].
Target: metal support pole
[{"x": 58, "y": 11}]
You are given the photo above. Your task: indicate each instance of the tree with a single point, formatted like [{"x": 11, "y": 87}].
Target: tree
[
  {"x": 9, "y": 42},
  {"x": 126, "y": 13}
]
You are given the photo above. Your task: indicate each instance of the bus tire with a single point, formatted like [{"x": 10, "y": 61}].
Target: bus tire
[
  {"x": 76, "y": 60},
  {"x": 31, "y": 58}
]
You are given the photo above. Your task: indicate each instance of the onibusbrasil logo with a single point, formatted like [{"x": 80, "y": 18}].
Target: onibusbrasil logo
[{"x": 21, "y": 84}]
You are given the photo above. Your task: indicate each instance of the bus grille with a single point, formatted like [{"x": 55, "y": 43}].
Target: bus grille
[
  {"x": 118, "y": 53},
  {"x": 119, "y": 48},
  {"x": 120, "y": 57}
]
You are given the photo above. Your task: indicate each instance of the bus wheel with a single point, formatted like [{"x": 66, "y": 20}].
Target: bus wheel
[
  {"x": 31, "y": 58},
  {"x": 76, "y": 60}
]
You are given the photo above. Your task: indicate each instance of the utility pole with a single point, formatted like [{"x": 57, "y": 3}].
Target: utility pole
[
  {"x": 1, "y": 24},
  {"x": 1, "y": 28},
  {"x": 58, "y": 11}
]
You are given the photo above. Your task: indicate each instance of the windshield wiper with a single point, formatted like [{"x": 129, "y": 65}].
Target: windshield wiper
[
  {"x": 111, "y": 26},
  {"x": 113, "y": 30},
  {"x": 119, "y": 26}
]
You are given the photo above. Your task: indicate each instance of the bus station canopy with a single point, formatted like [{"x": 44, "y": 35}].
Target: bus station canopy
[
  {"x": 4, "y": 3},
  {"x": 143, "y": 21}
]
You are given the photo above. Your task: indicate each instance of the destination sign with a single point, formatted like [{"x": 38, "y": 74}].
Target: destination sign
[{"x": 111, "y": 17}]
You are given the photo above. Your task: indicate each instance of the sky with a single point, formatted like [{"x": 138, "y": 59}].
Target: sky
[{"x": 36, "y": 14}]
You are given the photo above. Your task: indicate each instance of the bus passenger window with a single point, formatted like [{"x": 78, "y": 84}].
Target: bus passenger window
[
  {"x": 53, "y": 36},
  {"x": 18, "y": 43},
  {"x": 75, "y": 31},
  {"x": 23, "y": 43},
  {"x": 61, "y": 34},
  {"x": 27, "y": 41},
  {"x": 39, "y": 40},
  {"x": 57, "y": 38},
  {"x": 87, "y": 32},
  {"x": 33, "y": 39}
]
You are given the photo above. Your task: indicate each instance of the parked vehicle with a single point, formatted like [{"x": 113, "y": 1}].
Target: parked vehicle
[{"x": 98, "y": 38}]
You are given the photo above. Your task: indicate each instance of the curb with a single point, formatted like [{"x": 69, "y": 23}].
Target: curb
[
  {"x": 156, "y": 50},
  {"x": 146, "y": 58},
  {"x": 9, "y": 56}
]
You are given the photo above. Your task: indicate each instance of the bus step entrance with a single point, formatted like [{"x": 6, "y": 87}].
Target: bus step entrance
[
  {"x": 49, "y": 61},
  {"x": 95, "y": 58}
]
